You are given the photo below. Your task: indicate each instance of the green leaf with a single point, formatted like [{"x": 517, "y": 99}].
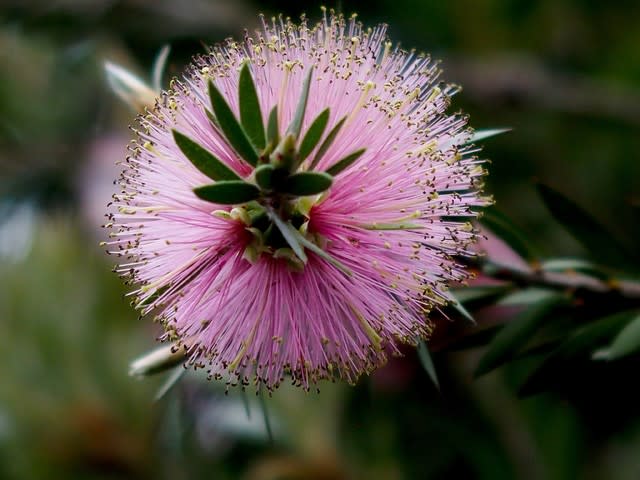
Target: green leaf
[
  {"x": 517, "y": 332},
  {"x": 313, "y": 135},
  {"x": 599, "y": 242},
  {"x": 245, "y": 403},
  {"x": 596, "y": 333},
  {"x": 228, "y": 192},
  {"x": 273, "y": 137},
  {"x": 212, "y": 118},
  {"x": 151, "y": 298},
  {"x": 346, "y": 162},
  {"x": 159, "y": 65},
  {"x": 203, "y": 160},
  {"x": 264, "y": 176},
  {"x": 453, "y": 302},
  {"x": 265, "y": 416},
  {"x": 524, "y": 296},
  {"x": 331, "y": 136},
  {"x": 170, "y": 382},
  {"x": 509, "y": 233},
  {"x": 427, "y": 363},
  {"x": 158, "y": 360},
  {"x": 627, "y": 342},
  {"x": 570, "y": 265},
  {"x": 321, "y": 253},
  {"x": 579, "y": 344},
  {"x": 487, "y": 133},
  {"x": 288, "y": 231},
  {"x": 250, "y": 114},
  {"x": 298, "y": 117},
  {"x": 474, "y": 338},
  {"x": 233, "y": 131},
  {"x": 483, "y": 294},
  {"x": 307, "y": 183}
]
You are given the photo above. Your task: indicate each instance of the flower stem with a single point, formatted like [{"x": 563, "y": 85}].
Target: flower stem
[{"x": 570, "y": 279}]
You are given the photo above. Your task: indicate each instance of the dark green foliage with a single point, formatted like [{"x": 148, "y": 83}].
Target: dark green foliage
[
  {"x": 313, "y": 135},
  {"x": 204, "y": 160},
  {"x": 427, "y": 363},
  {"x": 345, "y": 162},
  {"x": 298, "y": 117},
  {"x": 264, "y": 176},
  {"x": 579, "y": 346},
  {"x": 599, "y": 242},
  {"x": 518, "y": 332},
  {"x": 228, "y": 192},
  {"x": 233, "y": 131},
  {"x": 505, "y": 229},
  {"x": 327, "y": 142},
  {"x": 307, "y": 183},
  {"x": 250, "y": 114}
]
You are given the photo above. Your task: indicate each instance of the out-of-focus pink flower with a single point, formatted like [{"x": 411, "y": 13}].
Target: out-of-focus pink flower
[
  {"x": 95, "y": 178},
  {"x": 498, "y": 252},
  {"x": 328, "y": 235}
]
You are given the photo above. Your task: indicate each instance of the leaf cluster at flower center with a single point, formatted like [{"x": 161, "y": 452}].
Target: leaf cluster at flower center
[{"x": 275, "y": 199}]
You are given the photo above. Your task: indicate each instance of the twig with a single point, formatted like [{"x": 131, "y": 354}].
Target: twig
[{"x": 566, "y": 280}]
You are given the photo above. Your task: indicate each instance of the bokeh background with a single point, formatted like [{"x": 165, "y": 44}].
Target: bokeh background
[{"x": 563, "y": 74}]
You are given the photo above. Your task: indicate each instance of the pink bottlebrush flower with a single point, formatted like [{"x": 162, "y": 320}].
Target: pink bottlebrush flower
[{"x": 295, "y": 204}]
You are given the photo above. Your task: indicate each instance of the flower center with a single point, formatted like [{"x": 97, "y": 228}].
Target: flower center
[{"x": 274, "y": 201}]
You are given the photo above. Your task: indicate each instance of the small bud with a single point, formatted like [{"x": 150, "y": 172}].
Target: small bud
[{"x": 284, "y": 154}]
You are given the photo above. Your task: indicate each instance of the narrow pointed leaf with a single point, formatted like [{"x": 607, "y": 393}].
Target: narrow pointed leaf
[
  {"x": 203, "y": 160},
  {"x": 471, "y": 339},
  {"x": 245, "y": 403},
  {"x": 454, "y": 303},
  {"x": 346, "y": 162},
  {"x": 288, "y": 232},
  {"x": 597, "y": 333},
  {"x": 482, "y": 295},
  {"x": 264, "y": 176},
  {"x": 159, "y": 360},
  {"x": 627, "y": 341},
  {"x": 158, "y": 67},
  {"x": 599, "y": 242},
  {"x": 326, "y": 143},
  {"x": 517, "y": 332},
  {"x": 212, "y": 118},
  {"x": 509, "y": 233},
  {"x": 233, "y": 131},
  {"x": 307, "y": 183},
  {"x": 577, "y": 347},
  {"x": 129, "y": 87},
  {"x": 570, "y": 265},
  {"x": 228, "y": 192},
  {"x": 170, "y": 382},
  {"x": 250, "y": 113},
  {"x": 313, "y": 135},
  {"x": 153, "y": 297},
  {"x": 273, "y": 135},
  {"x": 320, "y": 252},
  {"x": 482, "y": 134},
  {"x": 427, "y": 363},
  {"x": 524, "y": 296},
  {"x": 298, "y": 117},
  {"x": 265, "y": 416}
]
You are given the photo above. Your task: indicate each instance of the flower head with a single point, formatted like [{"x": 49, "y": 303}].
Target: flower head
[{"x": 295, "y": 204}]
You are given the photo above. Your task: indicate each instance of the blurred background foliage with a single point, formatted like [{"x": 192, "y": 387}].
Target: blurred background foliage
[{"x": 563, "y": 74}]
